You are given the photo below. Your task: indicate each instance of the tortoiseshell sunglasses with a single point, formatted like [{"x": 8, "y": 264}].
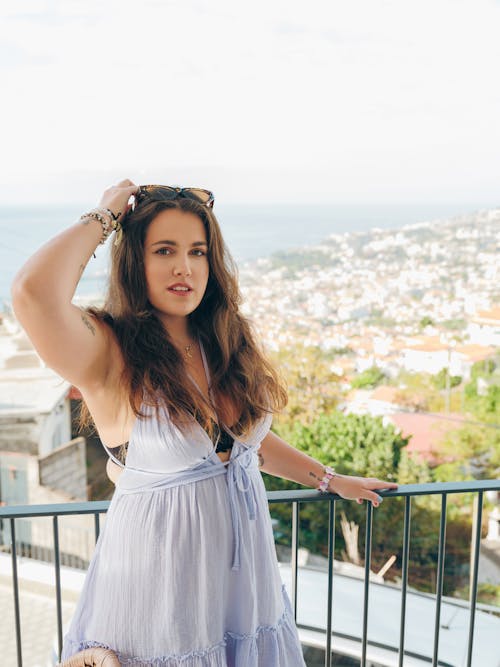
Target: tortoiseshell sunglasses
[{"x": 166, "y": 192}]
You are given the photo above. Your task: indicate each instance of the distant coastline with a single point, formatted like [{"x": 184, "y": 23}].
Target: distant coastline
[{"x": 252, "y": 231}]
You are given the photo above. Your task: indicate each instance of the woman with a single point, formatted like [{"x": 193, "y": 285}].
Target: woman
[{"x": 184, "y": 571}]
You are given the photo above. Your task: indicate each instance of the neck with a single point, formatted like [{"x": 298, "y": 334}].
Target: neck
[{"x": 178, "y": 331}]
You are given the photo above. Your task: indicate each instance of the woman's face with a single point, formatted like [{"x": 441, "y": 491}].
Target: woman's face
[{"x": 176, "y": 251}]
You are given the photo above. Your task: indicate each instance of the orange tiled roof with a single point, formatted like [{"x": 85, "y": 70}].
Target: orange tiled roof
[
  {"x": 428, "y": 346},
  {"x": 475, "y": 352},
  {"x": 491, "y": 316},
  {"x": 427, "y": 431}
]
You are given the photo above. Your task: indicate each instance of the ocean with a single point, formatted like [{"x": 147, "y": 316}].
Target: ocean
[{"x": 251, "y": 231}]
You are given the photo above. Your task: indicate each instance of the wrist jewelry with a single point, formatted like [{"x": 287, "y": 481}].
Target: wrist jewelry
[
  {"x": 105, "y": 217},
  {"x": 323, "y": 486}
]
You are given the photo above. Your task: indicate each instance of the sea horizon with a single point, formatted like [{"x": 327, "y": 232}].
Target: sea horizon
[{"x": 251, "y": 231}]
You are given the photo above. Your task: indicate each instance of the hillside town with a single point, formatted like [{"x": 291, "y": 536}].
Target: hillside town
[{"x": 421, "y": 297}]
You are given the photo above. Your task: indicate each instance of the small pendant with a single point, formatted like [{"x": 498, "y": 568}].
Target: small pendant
[{"x": 188, "y": 351}]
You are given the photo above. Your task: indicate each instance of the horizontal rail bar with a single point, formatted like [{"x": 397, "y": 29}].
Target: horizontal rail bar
[
  {"x": 90, "y": 507},
  {"x": 59, "y": 509},
  {"x": 402, "y": 491}
]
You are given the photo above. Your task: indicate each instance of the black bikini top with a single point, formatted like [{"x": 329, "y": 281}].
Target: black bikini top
[{"x": 225, "y": 440}]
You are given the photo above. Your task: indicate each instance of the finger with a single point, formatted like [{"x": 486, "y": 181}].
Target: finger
[{"x": 374, "y": 498}]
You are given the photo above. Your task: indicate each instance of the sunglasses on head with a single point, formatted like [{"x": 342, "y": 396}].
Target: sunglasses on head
[{"x": 166, "y": 192}]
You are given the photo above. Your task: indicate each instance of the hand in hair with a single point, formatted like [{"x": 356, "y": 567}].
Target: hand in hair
[{"x": 116, "y": 197}]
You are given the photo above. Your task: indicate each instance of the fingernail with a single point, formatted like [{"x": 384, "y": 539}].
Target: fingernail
[{"x": 380, "y": 499}]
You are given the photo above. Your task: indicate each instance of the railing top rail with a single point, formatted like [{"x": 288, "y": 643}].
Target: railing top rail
[
  {"x": 100, "y": 506},
  {"x": 404, "y": 490},
  {"x": 52, "y": 509}
]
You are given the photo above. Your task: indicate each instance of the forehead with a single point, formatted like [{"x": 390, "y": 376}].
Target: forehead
[{"x": 180, "y": 226}]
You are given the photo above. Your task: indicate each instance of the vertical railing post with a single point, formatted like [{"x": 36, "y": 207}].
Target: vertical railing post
[
  {"x": 57, "y": 566},
  {"x": 16, "y": 593},
  {"x": 440, "y": 573},
  {"x": 404, "y": 579},
  {"x": 368, "y": 551},
  {"x": 295, "y": 553},
  {"x": 331, "y": 557},
  {"x": 473, "y": 591},
  {"x": 96, "y": 525}
]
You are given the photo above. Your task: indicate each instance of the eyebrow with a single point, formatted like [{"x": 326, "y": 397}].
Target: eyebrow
[{"x": 195, "y": 243}]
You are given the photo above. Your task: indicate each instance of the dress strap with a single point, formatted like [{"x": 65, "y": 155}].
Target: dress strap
[{"x": 112, "y": 456}]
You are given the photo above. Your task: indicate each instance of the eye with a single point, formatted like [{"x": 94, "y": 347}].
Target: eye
[
  {"x": 200, "y": 251},
  {"x": 159, "y": 251}
]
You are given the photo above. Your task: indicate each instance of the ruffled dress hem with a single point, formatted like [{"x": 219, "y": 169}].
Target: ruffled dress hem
[{"x": 275, "y": 645}]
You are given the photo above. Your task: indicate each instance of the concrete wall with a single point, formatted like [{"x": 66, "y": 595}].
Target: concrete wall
[
  {"x": 36, "y": 434},
  {"x": 63, "y": 470},
  {"x": 20, "y": 434}
]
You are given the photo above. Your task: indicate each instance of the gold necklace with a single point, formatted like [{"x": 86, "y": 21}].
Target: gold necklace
[{"x": 187, "y": 349}]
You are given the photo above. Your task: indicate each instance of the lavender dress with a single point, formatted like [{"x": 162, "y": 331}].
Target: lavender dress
[{"x": 185, "y": 572}]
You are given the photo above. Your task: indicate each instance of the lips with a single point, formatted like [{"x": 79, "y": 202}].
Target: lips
[
  {"x": 189, "y": 288},
  {"x": 180, "y": 292}
]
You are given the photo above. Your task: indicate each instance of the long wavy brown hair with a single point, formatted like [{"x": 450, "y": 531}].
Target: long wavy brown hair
[{"x": 154, "y": 370}]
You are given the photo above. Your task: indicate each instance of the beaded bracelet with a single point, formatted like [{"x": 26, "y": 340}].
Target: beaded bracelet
[
  {"x": 105, "y": 217},
  {"x": 323, "y": 486}
]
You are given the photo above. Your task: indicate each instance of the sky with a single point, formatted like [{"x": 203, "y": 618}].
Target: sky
[{"x": 360, "y": 101}]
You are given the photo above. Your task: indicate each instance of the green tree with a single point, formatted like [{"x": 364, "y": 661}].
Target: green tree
[
  {"x": 353, "y": 444},
  {"x": 484, "y": 368},
  {"x": 426, "y": 321},
  {"x": 439, "y": 379},
  {"x": 368, "y": 379},
  {"x": 362, "y": 445},
  {"x": 473, "y": 452}
]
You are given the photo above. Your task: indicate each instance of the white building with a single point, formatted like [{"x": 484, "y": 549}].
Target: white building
[{"x": 484, "y": 327}]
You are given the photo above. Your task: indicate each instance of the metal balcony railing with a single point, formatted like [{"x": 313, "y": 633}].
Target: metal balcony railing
[{"x": 443, "y": 490}]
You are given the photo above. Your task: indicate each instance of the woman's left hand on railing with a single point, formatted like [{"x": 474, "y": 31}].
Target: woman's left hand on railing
[{"x": 359, "y": 488}]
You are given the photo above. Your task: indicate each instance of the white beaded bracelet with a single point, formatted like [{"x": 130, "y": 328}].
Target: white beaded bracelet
[
  {"x": 105, "y": 217},
  {"x": 323, "y": 486}
]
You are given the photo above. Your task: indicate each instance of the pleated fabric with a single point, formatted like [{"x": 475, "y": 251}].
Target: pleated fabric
[{"x": 185, "y": 572}]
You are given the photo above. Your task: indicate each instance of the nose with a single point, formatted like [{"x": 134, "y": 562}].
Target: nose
[{"x": 182, "y": 266}]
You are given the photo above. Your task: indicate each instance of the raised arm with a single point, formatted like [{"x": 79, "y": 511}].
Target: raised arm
[{"x": 69, "y": 340}]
